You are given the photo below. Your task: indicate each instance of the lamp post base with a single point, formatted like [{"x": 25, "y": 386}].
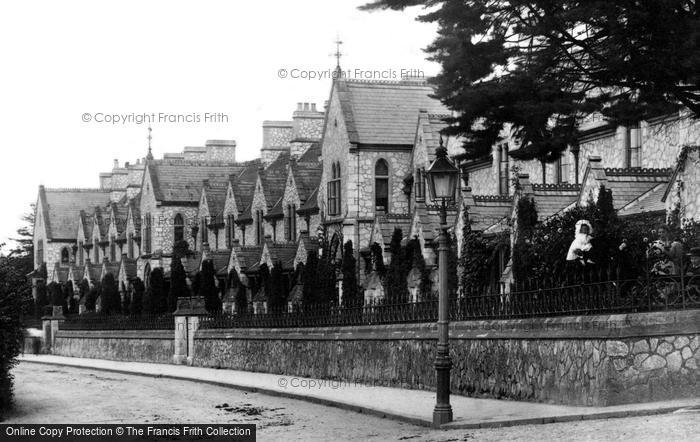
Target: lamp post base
[{"x": 442, "y": 414}]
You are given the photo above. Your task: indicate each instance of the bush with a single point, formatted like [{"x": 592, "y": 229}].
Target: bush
[
  {"x": 91, "y": 297},
  {"x": 12, "y": 301},
  {"x": 351, "y": 295},
  {"x": 137, "y": 297},
  {"x": 155, "y": 302},
  {"x": 178, "y": 284},
  {"x": 241, "y": 299},
  {"x": 207, "y": 287},
  {"x": 110, "y": 301},
  {"x": 278, "y": 288}
]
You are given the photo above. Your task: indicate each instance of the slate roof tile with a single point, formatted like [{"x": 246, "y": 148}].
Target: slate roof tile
[
  {"x": 178, "y": 181},
  {"x": 385, "y": 112},
  {"x": 61, "y": 208}
]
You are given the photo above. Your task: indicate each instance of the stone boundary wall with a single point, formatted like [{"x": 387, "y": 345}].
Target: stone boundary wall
[
  {"x": 118, "y": 345},
  {"x": 586, "y": 360}
]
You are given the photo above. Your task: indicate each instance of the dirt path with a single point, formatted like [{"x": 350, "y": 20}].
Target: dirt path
[{"x": 47, "y": 394}]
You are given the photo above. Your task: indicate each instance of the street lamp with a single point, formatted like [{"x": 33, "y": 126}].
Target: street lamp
[{"x": 442, "y": 182}]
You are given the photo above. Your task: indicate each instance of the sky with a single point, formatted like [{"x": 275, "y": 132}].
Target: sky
[{"x": 80, "y": 80}]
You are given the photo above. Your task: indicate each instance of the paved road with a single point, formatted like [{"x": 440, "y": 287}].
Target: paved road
[{"x": 63, "y": 394}]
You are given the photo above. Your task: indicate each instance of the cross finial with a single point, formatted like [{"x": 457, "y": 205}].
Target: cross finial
[
  {"x": 337, "y": 55},
  {"x": 150, "y": 137}
]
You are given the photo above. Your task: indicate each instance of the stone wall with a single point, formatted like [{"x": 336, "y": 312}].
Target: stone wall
[
  {"x": 595, "y": 360},
  {"x": 117, "y": 345}
]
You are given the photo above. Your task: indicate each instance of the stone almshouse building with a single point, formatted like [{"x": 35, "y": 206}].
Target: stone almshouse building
[{"x": 354, "y": 171}]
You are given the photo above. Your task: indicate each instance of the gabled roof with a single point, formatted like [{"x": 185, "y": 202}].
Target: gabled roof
[
  {"x": 650, "y": 201},
  {"x": 93, "y": 271},
  {"x": 629, "y": 184},
  {"x": 60, "y": 273},
  {"x": 243, "y": 184},
  {"x": 215, "y": 193},
  {"x": 77, "y": 272},
  {"x": 130, "y": 267},
  {"x": 62, "y": 206},
  {"x": 102, "y": 222},
  {"x": 248, "y": 256},
  {"x": 488, "y": 211},
  {"x": 284, "y": 253},
  {"x": 383, "y": 112},
  {"x": 307, "y": 177},
  {"x": 550, "y": 199},
  {"x": 219, "y": 258},
  {"x": 311, "y": 203},
  {"x": 179, "y": 181},
  {"x": 274, "y": 178},
  {"x": 312, "y": 153},
  {"x": 119, "y": 212}
]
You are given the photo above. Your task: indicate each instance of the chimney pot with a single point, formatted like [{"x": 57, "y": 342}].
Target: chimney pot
[
  {"x": 306, "y": 106},
  {"x": 313, "y": 107},
  {"x": 116, "y": 163},
  {"x": 126, "y": 164},
  {"x": 299, "y": 106}
]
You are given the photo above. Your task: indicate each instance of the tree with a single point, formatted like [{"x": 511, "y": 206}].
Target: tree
[
  {"x": 137, "y": 296},
  {"x": 241, "y": 298},
  {"x": 396, "y": 284},
  {"x": 264, "y": 275},
  {"x": 539, "y": 67},
  {"x": 207, "y": 287},
  {"x": 155, "y": 302},
  {"x": 278, "y": 288},
  {"x": 414, "y": 256},
  {"x": 13, "y": 304},
  {"x": 91, "y": 299},
  {"x": 310, "y": 279},
  {"x": 56, "y": 294},
  {"x": 110, "y": 302},
  {"x": 377, "y": 259},
  {"x": 178, "y": 284},
  {"x": 84, "y": 290},
  {"x": 350, "y": 288}
]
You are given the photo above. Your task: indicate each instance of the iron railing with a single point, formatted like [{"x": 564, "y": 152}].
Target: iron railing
[
  {"x": 643, "y": 294},
  {"x": 119, "y": 322}
]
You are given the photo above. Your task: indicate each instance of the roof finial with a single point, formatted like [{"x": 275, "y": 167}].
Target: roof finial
[
  {"x": 150, "y": 153},
  {"x": 337, "y": 56}
]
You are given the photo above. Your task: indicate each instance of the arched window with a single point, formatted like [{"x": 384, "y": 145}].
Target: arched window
[
  {"x": 178, "y": 228},
  {"x": 65, "y": 255},
  {"x": 334, "y": 190},
  {"x": 381, "y": 186}
]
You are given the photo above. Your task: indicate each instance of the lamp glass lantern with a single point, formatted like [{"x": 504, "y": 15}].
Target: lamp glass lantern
[{"x": 442, "y": 177}]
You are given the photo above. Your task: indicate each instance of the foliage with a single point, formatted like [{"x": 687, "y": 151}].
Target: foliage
[
  {"x": 241, "y": 299},
  {"x": 110, "y": 301},
  {"x": 91, "y": 297},
  {"x": 526, "y": 219},
  {"x": 12, "y": 306},
  {"x": 414, "y": 258},
  {"x": 377, "y": 259},
  {"x": 207, "y": 287},
  {"x": 70, "y": 298},
  {"x": 351, "y": 294},
  {"x": 137, "y": 293},
  {"x": 278, "y": 288},
  {"x": 478, "y": 256},
  {"x": 154, "y": 300},
  {"x": 539, "y": 67},
  {"x": 264, "y": 284},
  {"x": 309, "y": 279},
  {"x": 396, "y": 284},
  {"x": 55, "y": 293},
  {"x": 178, "y": 283}
]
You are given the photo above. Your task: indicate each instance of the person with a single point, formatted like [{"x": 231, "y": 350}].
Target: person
[
  {"x": 581, "y": 247},
  {"x": 667, "y": 252},
  {"x": 694, "y": 267},
  {"x": 692, "y": 274}
]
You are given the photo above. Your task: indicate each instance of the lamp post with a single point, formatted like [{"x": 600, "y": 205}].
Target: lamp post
[{"x": 442, "y": 182}]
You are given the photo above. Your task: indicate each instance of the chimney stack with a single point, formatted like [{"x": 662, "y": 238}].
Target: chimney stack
[{"x": 116, "y": 163}]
